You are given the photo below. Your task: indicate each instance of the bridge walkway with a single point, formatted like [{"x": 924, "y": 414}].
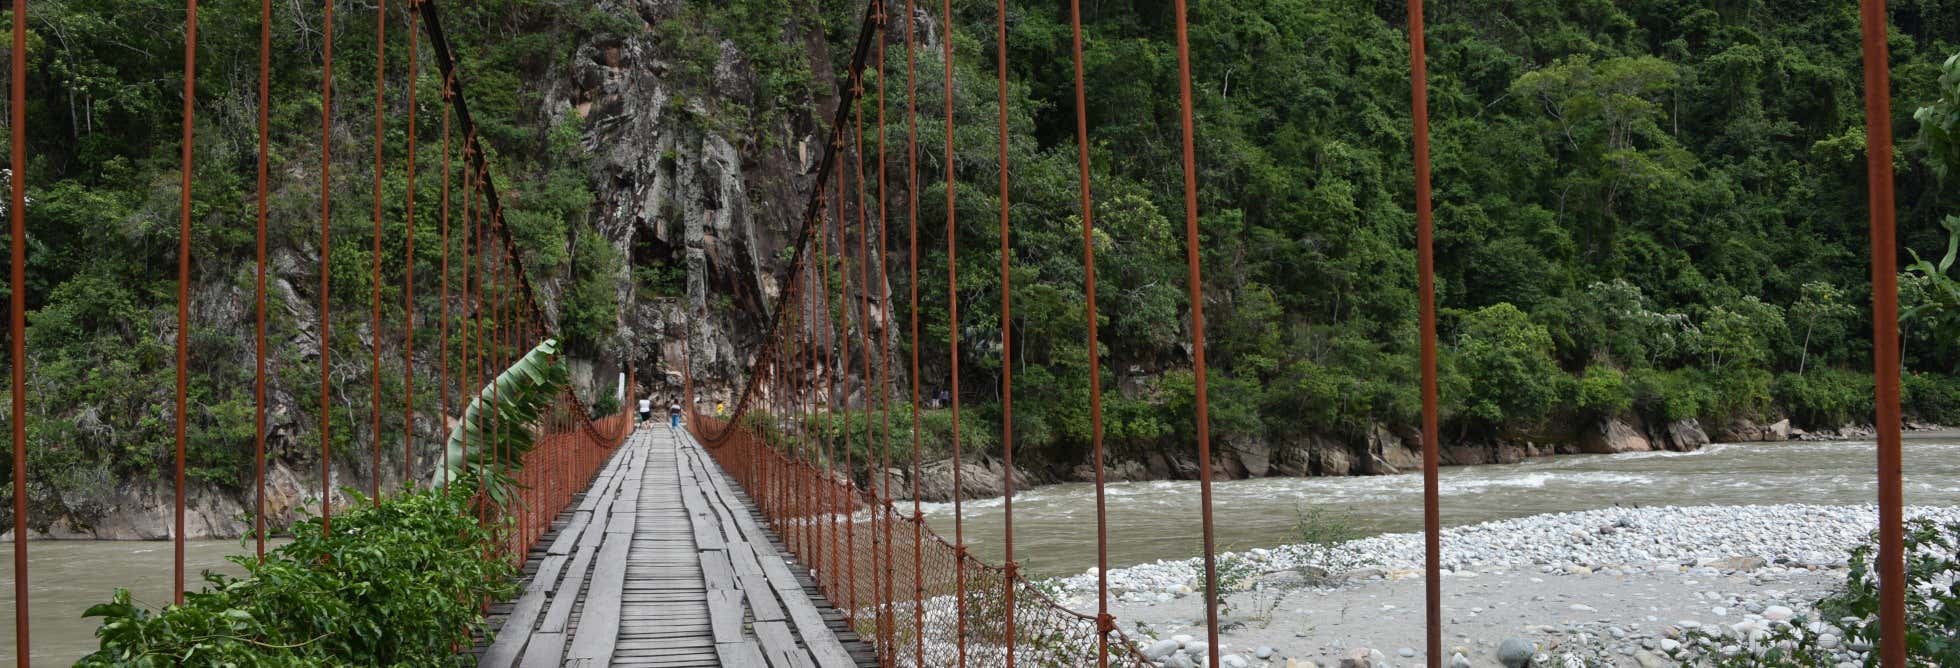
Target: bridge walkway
[{"x": 662, "y": 562}]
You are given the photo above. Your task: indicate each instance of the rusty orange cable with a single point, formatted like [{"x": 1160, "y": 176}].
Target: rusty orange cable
[
  {"x": 408, "y": 275},
  {"x": 953, "y": 344},
  {"x": 1195, "y": 282},
  {"x": 183, "y": 290},
  {"x": 442, "y": 359},
  {"x": 1885, "y": 336},
  {"x": 258, "y": 377},
  {"x": 864, "y": 336},
  {"x": 17, "y": 314},
  {"x": 886, "y": 627},
  {"x": 1104, "y": 623},
  {"x": 326, "y": 274},
  {"x": 1007, "y": 346},
  {"x": 912, "y": 238},
  {"x": 374, "y": 278},
  {"x": 831, "y": 378}
]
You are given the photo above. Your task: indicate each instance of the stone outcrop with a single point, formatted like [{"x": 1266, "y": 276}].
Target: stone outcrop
[
  {"x": 1747, "y": 431},
  {"x": 1613, "y": 437},
  {"x": 1684, "y": 435},
  {"x": 978, "y": 480}
]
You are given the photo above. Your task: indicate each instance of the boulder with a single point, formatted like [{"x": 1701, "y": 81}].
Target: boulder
[
  {"x": 1613, "y": 437},
  {"x": 1389, "y": 452},
  {"x": 1295, "y": 578},
  {"x": 1515, "y": 652},
  {"x": 1686, "y": 435},
  {"x": 1334, "y": 461},
  {"x": 1254, "y": 455},
  {"x": 1738, "y": 563},
  {"x": 978, "y": 480},
  {"x": 1780, "y": 431}
]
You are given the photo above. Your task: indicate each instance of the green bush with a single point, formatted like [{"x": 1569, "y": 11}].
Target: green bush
[
  {"x": 1507, "y": 360},
  {"x": 1603, "y": 392},
  {"x": 1932, "y": 397},
  {"x": 399, "y": 583},
  {"x": 1669, "y": 395},
  {"x": 1824, "y": 398}
]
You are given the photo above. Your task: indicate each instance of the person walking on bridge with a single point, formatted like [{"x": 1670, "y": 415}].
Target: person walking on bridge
[
  {"x": 674, "y": 415},
  {"x": 646, "y": 409},
  {"x": 721, "y": 409}
]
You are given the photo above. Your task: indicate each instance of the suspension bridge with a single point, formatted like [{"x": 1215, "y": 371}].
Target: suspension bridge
[{"x": 761, "y": 539}]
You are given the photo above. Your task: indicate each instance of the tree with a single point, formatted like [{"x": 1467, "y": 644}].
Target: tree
[
  {"x": 1824, "y": 315},
  {"x": 1507, "y": 361},
  {"x": 1939, "y": 122}
]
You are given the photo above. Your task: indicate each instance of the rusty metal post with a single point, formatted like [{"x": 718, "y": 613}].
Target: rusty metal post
[
  {"x": 1885, "y": 336},
  {"x": 1426, "y": 289},
  {"x": 17, "y": 317},
  {"x": 183, "y": 290}
]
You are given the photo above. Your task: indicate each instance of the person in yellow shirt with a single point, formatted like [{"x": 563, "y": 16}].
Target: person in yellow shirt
[{"x": 721, "y": 409}]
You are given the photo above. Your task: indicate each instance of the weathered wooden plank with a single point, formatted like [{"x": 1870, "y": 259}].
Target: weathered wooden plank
[
  {"x": 777, "y": 643},
  {"x": 598, "y": 627},
  {"x": 823, "y": 643},
  {"x": 548, "y": 571},
  {"x": 725, "y": 615},
  {"x": 560, "y": 613},
  {"x": 547, "y": 650},
  {"x": 568, "y": 537},
  {"x": 762, "y": 600},
  {"x": 515, "y": 632},
  {"x": 740, "y": 655},
  {"x": 716, "y": 571}
]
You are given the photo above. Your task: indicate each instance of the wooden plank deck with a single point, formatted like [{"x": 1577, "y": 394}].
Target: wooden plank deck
[{"x": 662, "y": 563}]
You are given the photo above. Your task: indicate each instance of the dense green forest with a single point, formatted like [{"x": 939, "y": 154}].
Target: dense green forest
[
  {"x": 103, "y": 126},
  {"x": 1650, "y": 208}
]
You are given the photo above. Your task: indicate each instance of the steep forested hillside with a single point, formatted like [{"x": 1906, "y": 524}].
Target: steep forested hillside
[{"x": 1647, "y": 212}]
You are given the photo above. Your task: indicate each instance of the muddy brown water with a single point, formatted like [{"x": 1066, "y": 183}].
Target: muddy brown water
[{"x": 1055, "y": 524}]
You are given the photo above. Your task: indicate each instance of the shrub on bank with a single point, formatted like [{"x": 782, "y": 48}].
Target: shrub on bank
[
  {"x": 1931, "y": 397},
  {"x": 1824, "y": 398},
  {"x": 399, "y": 583}
]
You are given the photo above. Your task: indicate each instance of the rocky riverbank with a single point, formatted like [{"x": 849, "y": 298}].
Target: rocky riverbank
[
  {"x": 1620, "y": 586},
  {"x": 1383, "y": 450}
]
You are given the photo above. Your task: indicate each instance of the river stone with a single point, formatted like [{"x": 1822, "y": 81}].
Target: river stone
[
  {"x": 1264, "y": 652},
  {"x": 1233, "y": 661},
  {"x": 1515, "y": 652},
  {"x": 1648, "y": 659},
  {"x": 1738, "y": 563},
  {"x": 1362, "y": 657},
  {"x": 1458, "y": 660},
  {"x": 1160, "y": 649},
  {"x": 1777, "y": 613}
]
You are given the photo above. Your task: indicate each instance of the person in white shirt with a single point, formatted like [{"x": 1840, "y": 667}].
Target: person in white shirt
[{"x": 646, "y": 409}]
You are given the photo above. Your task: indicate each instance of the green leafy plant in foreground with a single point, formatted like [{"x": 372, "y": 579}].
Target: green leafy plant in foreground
[
  {"x": 519, "y": 396},
  {"x": 394, "y": 584}
]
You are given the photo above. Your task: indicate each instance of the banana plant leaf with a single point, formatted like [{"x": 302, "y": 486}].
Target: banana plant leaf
[{"x": 513, "y": 403}]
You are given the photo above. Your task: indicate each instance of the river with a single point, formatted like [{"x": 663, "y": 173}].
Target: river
[{"x": 1054, "y": 524}]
